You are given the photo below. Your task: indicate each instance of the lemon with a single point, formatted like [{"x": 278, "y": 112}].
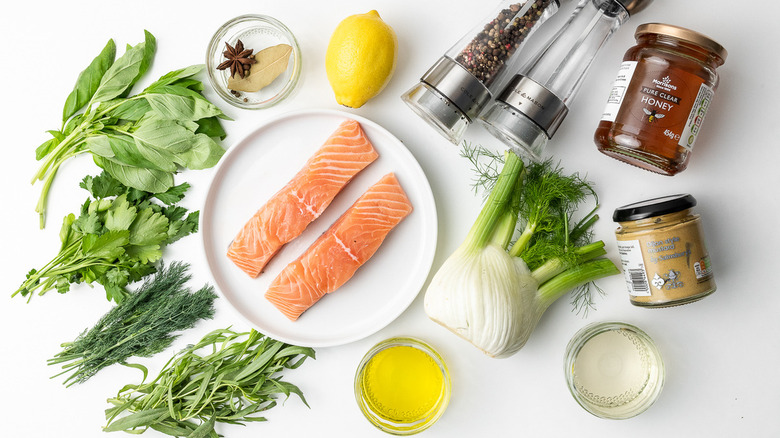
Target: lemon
[{"x": 361, "y": 58}]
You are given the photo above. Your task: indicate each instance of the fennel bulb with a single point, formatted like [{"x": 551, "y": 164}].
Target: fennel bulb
[{"x": 485, "y": 292}]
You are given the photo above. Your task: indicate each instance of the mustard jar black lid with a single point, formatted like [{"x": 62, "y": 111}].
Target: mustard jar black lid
[{"x": 653, "y": 207}]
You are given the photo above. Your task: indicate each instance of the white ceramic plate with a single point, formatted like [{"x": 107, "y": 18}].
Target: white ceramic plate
[{"x": 262, "y": 163}]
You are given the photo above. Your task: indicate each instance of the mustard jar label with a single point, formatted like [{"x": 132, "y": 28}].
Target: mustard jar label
[{"x": 633, "y": 267}]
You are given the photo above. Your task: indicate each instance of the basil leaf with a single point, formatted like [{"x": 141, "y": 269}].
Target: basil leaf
[
  {"x": 155, "y": 157},
  {"x": 74, "y": 122},
  {"x": 165, "y": 134},
  {"x": 99, "y": 145},
  {"x": 123, "y": 73},
  {"x": 130, "y": 109},
  {"x": 148, "y": 180},
  {"x": 180, "y": 103},
  {"x": 150, "y": 45},
  {"x": 212, "y": 127},
  {"x": 89, "y": 80},
  {"x": 192, "y": 84},
  {"x": 46, "y": 147},
  {"x": 175, "y": 76},
  {"x": 129, "y": 151},
  {"x": 203, "y": 154},
  {"x": 133, "y": 152}
]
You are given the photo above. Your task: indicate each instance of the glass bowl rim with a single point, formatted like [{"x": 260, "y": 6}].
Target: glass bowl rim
[
  {"x": 419, "y": 344},
  {"x": 590, "y": 331}
]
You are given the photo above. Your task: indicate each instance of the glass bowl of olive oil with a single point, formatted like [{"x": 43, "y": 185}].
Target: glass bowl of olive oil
[
  {"x": 402, "y": 386},
  {"x": 613, "y": 370}
]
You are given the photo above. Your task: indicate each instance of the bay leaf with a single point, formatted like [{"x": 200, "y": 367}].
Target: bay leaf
[{"x": 271, "y": 62}]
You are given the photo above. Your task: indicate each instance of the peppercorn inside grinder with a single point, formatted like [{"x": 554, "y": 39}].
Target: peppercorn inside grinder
[
  {"x": 455, "y": 90},
  {"x": 529, "y": 110}
]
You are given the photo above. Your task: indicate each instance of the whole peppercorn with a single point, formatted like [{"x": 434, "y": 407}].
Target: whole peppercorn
[{"x": 486, "y": 54}]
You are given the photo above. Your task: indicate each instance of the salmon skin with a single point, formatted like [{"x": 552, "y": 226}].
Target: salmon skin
[
  {"x": 284, "y": 217},
  {"x": 335, "y": 256}
]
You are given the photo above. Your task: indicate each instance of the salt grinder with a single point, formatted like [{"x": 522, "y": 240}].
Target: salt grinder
[{"x": 529, "y": 110}]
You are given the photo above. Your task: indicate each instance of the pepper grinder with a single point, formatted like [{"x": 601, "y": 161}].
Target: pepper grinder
[
  {"x": 528, "y": 111},
  {"x": 455, "y": 90}
]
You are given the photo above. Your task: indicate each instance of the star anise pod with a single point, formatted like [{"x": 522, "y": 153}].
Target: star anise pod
[{"x": 239, "y": 60}]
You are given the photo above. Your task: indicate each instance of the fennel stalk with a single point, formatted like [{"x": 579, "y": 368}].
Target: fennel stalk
[{"x": 492, "y": 292}]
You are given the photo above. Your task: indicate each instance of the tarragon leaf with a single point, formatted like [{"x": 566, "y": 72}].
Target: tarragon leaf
[{"x": 138, "y": 419}]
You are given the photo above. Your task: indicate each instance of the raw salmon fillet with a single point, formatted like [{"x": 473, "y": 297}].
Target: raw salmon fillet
[
  {"x": 335, "y": 256},
  {"x": 284, "y": 217}
]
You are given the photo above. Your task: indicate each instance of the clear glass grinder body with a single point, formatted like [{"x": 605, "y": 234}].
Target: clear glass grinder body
[
  {"x": 455, "y": 90},
  {"x": 528, "y": 111}
]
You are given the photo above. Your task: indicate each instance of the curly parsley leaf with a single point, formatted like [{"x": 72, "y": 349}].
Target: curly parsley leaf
[{"x": 117, "y": 238}]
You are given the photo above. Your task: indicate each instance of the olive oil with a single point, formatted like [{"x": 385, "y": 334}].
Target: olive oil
[{"x": 402, "y": 386}]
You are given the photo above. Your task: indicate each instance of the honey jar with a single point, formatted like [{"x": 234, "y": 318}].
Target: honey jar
[
  {"x": 661, "y": 246},
  {"x": 660, "y": 97}
]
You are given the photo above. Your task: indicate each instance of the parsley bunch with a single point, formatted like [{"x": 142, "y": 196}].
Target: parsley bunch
[{"x": 115, "y": 240}]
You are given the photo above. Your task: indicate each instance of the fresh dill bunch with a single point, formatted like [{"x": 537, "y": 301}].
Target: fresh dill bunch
[
  {"x": 141, "y": 325},
  {"x": 550, "y": 198}
]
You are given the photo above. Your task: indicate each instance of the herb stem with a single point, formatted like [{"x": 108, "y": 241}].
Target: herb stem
[
  {"x": 576, "y": 276},
  {"x": 496, "y": 205},
  {"x": 522, "y": 242}
]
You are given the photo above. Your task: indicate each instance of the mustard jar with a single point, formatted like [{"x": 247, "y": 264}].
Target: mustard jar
[{"x": 661, "y": 246}]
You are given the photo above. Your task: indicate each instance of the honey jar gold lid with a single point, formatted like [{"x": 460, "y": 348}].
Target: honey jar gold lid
[
  {"x": 683, "y": 34},
  {"x": 634, "y": 6},
  {"x": 653, "y": 207}
]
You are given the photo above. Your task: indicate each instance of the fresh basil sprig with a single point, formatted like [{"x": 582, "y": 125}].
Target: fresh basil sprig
[{"x": 141, "y": 140}]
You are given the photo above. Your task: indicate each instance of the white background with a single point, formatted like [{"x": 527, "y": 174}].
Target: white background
[{"x": 721, "y": 353}]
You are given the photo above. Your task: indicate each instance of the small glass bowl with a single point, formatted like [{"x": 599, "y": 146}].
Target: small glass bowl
[
  {"x": 613, "y": 370},
  {"x": 257, "y": 32},
  {"x": 394, "y": 424}
]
